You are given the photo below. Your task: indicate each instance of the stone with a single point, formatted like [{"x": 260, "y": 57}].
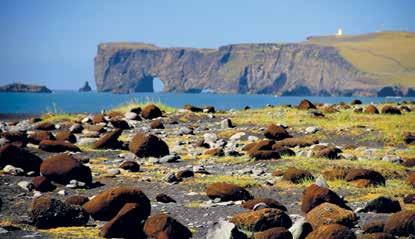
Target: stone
[
  {"x": 163, "y": 226},
  {"x": 392, "y": 159},
  {"x": 274, "y": 233},
  {"x": 269, "y": 202},
  {"x": 327, "y": 213},
  {"x": 156, "y": 124},
  {"x": 9, "y": 169},
  {"x": 374, "y": 178},
  {"x": 327, "y": 152},
  {"x": 314, "y": 195},
  {"x": 382, "y": 205},
  {"x": 108, "y": 203},
  {"x": 131, "y": 166},
  {"x": 321, "y": 182},
  {"x": 300, "y": 229},
  {"x": 401, "y": 224},
  {"x": 16, "y": 138},
  {"x": 226, "y": 124},
  {"x": 76, "y": 128},
  {"x": 261, "y": 220},
  {"x": 151, "y": 111},
  {"x": 411, "y": 179},
  {"x": 164, "y": 198},
  {"x": 109, "y": 140},
  {"x": 65, "y": 136},
  {"x": 77, "y": 200},
  {"x": 62, "y": 168},
  {"x": 332, "y": 231},
  {"x": 388, "y": 109},
  {"x": 227, "y": 192},
  {"x": 276, "y": 132},
  {"x": 377, "y": 235},
  {"x": 185, "y": 173},
  {"x": 99, "y": 118},
  {"x": 214, "y": 152},
  {"x": 112, "y": 172},
  {"x": 127, "y": 223},
  {"x": 409, "y": 138},
  {"x": 119, "y": 124},
  {"x": 47, "y": 126},
  {"x": 295, "y": 142},
  {"x": 131, "y": 116},
  {"x": 311, "y": 130},
  {"x": 374, "y": 226},
  {"x": 19, "y": 158},
  {"x": 306, "y": 105},
  {"x": 185, "y": 131},
  {"x": 192, "y": 108},
  {"x": 371, "y": 109},
  {"x": 296, "y": 175},
  {"x": 39, "y": 135},
  {"x": 47, "y": 212},
  {"x": 25, "y": 185},
  {"x": 356, "y": 102},
  {"x": 57, "y": 146},
  {"x": 224, "y": 230},
  {"x": 148, "y": 146},
  {"x": 42, "y": 184}
]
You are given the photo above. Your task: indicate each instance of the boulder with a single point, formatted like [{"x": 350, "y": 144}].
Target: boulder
[
  {"x": 39, "y": 135},
  {"x": 356, "y": 102},
  {"x": 192, "y": 108},
  {"x": 373, "y": 178},
  {"x": 127, "y": 223},
  {"x": 132, "y": 116},
  {"x": 214, "y": 152},
  {"x": 162, "y": 226},
  {"x": 164, "y": 198},
  {"x": 261, "y": 220},
  {"x": 388, "y": 109},
  {"x": 131, "y": 166},
  {"x": 295, "y": 141},
  {"x": 327, "y": 152},
  {"x": 119, "y": 123},
  {"x": 401, "y": 224},
  {"x": 269, "y": 202},
  {"x": 19, "y": 158},
  {"x": 327, "y": 213},
  {"x": 62, "y": 168},
  {"x": 45, "y": 126},
  {"x": 76, "y": 128},
  {"x": 336, "y": 172},
  {"x": 100, "y": 118},
  {"x": 227, "y": 192},
  {"x": 332, "y": 231},
  {"x": 136, "y": 110},
  {"x": 156, "y": 124},
  {"x": 382, "y": 205},
  {"x": 377, "y": 235},
  {"x": 77, "y": 200},
  {"x": 296, "y": 175},
  {"x": 42, "y": 184},
  {"x": 273, "y": 233},
  {"x": 17, "y": 138},
  {"x": 108, "y": 203},
  {"x": 65, "y": 136},
  {"x": 409, "y": 138},
  {"x": 264, "y": 154},
  {"x": 148, "y": 146},
  {"x": 259, "y": 145},
  {"x": 109, "y": 140},
  {"x": 276, "y": 132},
  {"x": 57, "y": 146},
  {"x": 47, "y": 212},
  {"x": 151, "y": 111},
  {"x": 371, "y": 109},
  {"x": 306, "y": 105},
  {"x": 373, "y": 226},
  {"x": 315, "y": 195}
]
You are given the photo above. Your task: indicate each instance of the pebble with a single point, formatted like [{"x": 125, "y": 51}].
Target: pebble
[
  {"x": 311, "y": 130},
  {"x": 113, "y": 172},
  {"x": 9, "y": 169},
  {"x": 62, "y": 192},
  {"x": 26, "y": 185}
]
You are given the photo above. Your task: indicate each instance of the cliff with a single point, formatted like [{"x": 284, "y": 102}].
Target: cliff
[
  {"x": 17, "y": 87},
  {"x": 282, "y": 69}
]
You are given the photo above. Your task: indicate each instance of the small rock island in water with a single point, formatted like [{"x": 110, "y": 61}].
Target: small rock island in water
[
  {"x": 18, "y": 87},
  {"x": 85, "y": 88}
]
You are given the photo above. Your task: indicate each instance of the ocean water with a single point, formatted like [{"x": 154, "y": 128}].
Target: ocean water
[{"x": 75, "y": 102}]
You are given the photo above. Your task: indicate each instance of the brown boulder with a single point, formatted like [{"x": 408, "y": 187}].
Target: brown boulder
[
  {"x": 411, "y": 179},
  {"x": 327, "y": 152},
  {"x": 17, "y": 138},
  {"x": 108, "y": 203},
  {"x": 119, "y": 124},
  {"x": 377, "y": 235},
  {"x": 401, "y": 224},
  {"x": 214, "y": 152},
  {"x": 127, "y": 223},
  {"x": 259, "y": 145},
  {"x": 356, "y": 102},
  {"x": 136, "y": 110},
  {"x": 315, "y": 195},
  {"x": 374, "y": 226},
  {"x": 45, "y": 126},
  {"x": 408, "y": 162},
  {"x": 306, "y": 105},
  {"x": 42, "y": 184},
  {"x": 327, "y": 213},
  {"x": 19, "y": 158},
  {"x": 295, "y": 141},
  {"x": 151, "y": 111},
  {"x": 65, "y": 136},
  {"x": 57, "y": 146},
  {"x": 336, "y": 172},
  {"x": 276, "y": 132},
  {"x": 332, "y": 231},
  {"x": 62, "y": 168},
  {"x": 39, "y": 135},
  {"x": 261, "y": 220},
  {"x": 148, "y": 146},
  {"x": 164, "y": 198},
  {"x": 109, "y": 140},
  {"x": 96, "y": 119},
  {"x": 131, "y": 166},
  {"x": 192, "y": 108},
  {"x": 296, "y": 175},
  {"x": 371, "y": 109},
  {"x": 227, "y": 192},
  {"x": 271, "y": 203},
  {"x": 156, "y": 124},
  {"x": 77, "y": 200},
  {"x": 273, "y": 233},
  {"x": 162, "y": 226},
  {"x": 388, "y": 109},
  {"x": 372, "y": 177},
  {"x": 264, "y": 154}
]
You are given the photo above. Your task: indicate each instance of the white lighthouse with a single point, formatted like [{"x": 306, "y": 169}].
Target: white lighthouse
[{"x": 339, "y": 32}]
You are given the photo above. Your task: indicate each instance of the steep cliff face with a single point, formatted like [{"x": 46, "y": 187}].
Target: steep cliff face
[{"x": 283, "y": 69}]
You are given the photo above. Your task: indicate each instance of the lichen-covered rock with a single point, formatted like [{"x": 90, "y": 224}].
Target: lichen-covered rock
[
  {"x": 411, "y": 179},
  {"x": 47, "y": 212},
  {"x": 77, "y": 200},
  {"x": 327, "y": 213},
  {"x": 39, "y": 135},
  {"x": 332, "y": 231},
  {"x": 17, "y": 138},
  {"x": 19, "y": 158},
  {"x": 296, "y": 175},
  {"x": 148, "y": 146},
  {"x": 401, "y": 224},
  {"x": 315, "y": 195},
  {"x": 57, "y": 146},
  {"x": 62, "y": 168},
  {"x": 108, "y": 203},
  {"x": 382, "y": 205},
  {"x": 45, "y": 126},
  {"x": 371, "y": 109},
  {"x": 109, "y": 140},
  {"x": 151, "y": 111},
  {"x": 377, "y": 235},
  {"x": 276, "y": 132},
  {"x": 65, "y": 136},
  {"x": 295, "y": 141},
  {"x": 227, "y": 192},
  {"x": 388, "y": 109},
  {"x": 42, "y": 184},
  {"x": 306, "y": 105},
  {"x": 274, "y": 233},
  {"x": 162, "y": 226},
  {"x": 327, "y": 152},
  {"x": 131, "y": 166},
  {"x": 373, "y": 178},
  {"x": 261, "y": 220},
  {"x": 156, "y": 124}
]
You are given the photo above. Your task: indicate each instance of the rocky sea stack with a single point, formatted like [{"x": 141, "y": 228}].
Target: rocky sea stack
[
  {"x": 18, "y": 87},
  {"x": 85, "y": 88}
]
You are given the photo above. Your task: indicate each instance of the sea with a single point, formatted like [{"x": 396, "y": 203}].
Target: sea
[{"x": 65, "y": 101}]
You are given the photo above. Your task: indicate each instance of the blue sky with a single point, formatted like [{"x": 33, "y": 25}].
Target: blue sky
[{"x": 53, "y": 42}]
